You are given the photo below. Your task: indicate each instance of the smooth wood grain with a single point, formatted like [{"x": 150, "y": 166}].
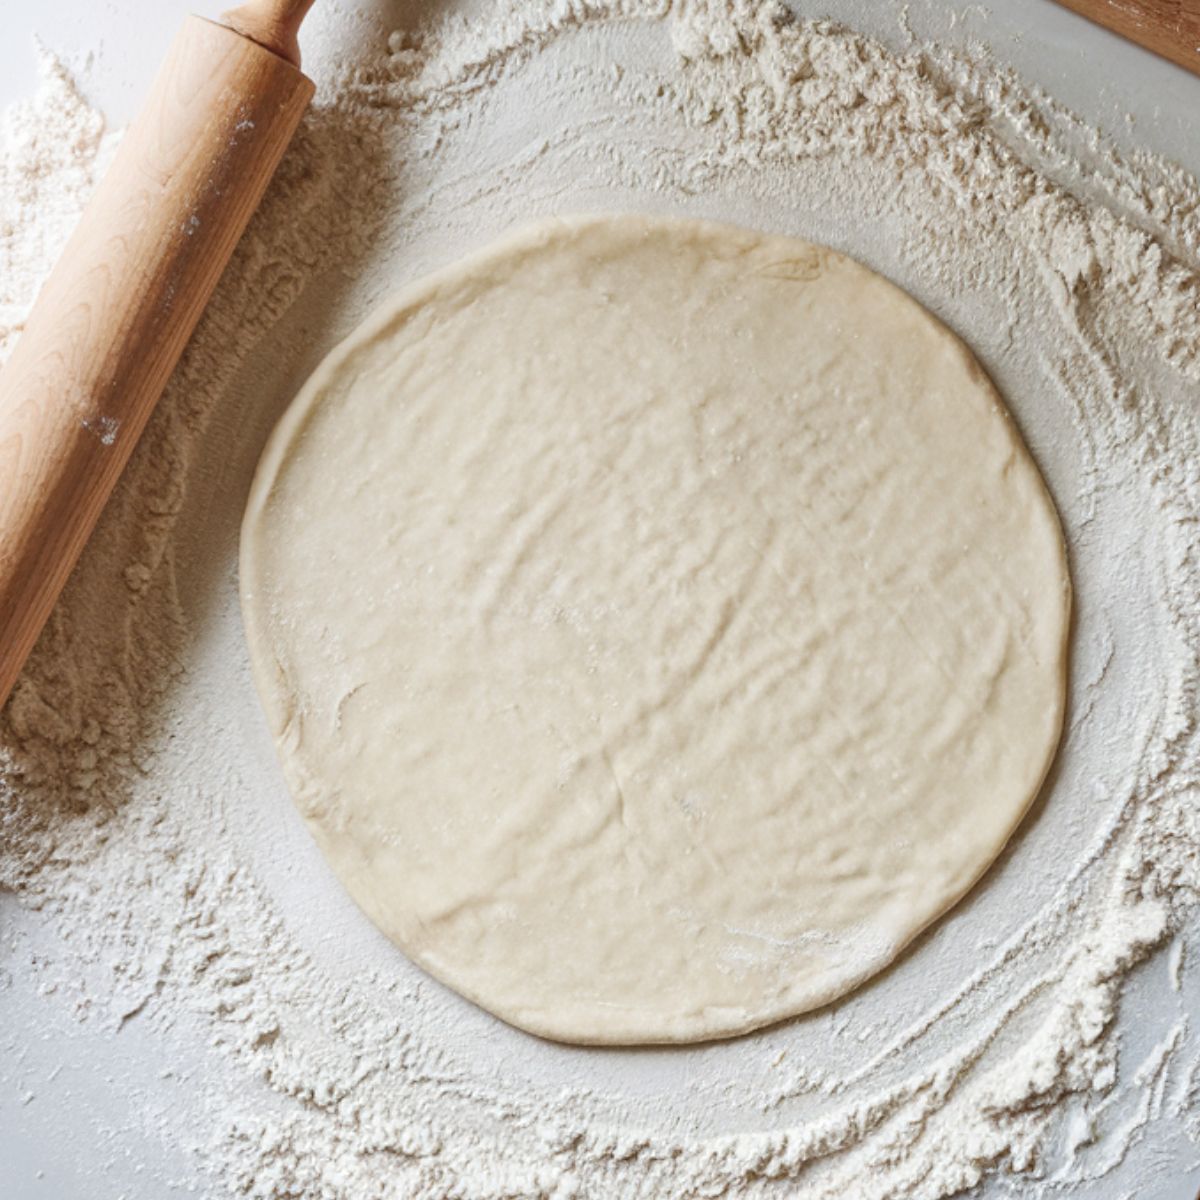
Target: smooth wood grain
[
  {"x": 112, "y": 319},
  {"x": 1171, "y": 28}
]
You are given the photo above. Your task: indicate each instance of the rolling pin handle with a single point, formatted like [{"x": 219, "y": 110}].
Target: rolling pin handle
[{"x": 273, "y": 24}]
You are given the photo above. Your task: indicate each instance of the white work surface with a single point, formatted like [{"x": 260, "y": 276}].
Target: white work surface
[{"x": 115, "y": 46}]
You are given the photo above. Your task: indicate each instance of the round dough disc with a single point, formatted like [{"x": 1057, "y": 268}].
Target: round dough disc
[{"x": 660, "y": 624}]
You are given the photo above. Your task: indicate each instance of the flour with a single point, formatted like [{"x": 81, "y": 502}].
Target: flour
[{"x": 142, "y": 821}]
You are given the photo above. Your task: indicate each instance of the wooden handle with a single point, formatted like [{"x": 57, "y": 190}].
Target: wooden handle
[
  {"x": 273, "y": 24},
  {"x": 112, "y": 319},
  {"x": 1170, "y": 28}
]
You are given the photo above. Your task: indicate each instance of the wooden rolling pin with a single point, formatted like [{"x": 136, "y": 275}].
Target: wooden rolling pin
[
  {"x": 1171, "y": 28},
  {"x": 113, "y": 318}
]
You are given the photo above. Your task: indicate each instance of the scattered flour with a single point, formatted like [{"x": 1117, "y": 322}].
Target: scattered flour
[{"x": 142, "y": 820}]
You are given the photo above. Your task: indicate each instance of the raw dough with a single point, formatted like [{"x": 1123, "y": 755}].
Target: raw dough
[{"x": 660, "y": 624}]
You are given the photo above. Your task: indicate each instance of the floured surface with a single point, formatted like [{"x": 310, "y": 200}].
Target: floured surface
[
  {"x": 659, "y": 624},
  {"x": 158, "y": 881}
]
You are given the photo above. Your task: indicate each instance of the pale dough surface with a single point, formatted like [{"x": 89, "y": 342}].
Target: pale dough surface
[{"x": 659, "y": 623}]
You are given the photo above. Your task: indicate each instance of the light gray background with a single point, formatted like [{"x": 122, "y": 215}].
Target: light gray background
[{"x": 50, "y": 1143}]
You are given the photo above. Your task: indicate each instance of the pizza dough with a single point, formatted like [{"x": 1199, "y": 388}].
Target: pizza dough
[{"x": 660, "y": 624}]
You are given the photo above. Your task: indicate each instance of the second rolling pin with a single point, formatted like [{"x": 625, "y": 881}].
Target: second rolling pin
[
  {"x": 1171, "y": 28},
  {"x": 114, "y": 316}
]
